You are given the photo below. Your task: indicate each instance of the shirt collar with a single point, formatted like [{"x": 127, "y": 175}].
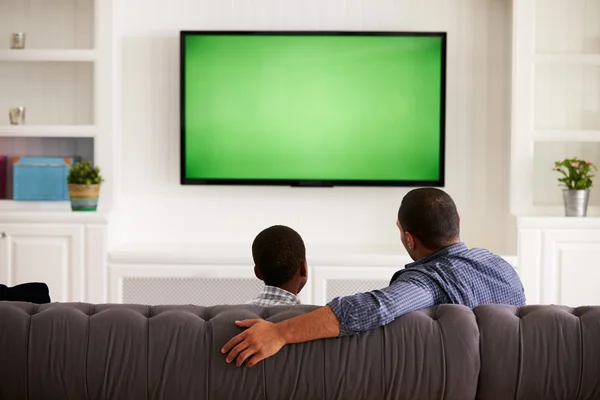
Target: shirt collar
[
  {"x": 272, "y": 291},
  {"x": 451, "y": 250}
]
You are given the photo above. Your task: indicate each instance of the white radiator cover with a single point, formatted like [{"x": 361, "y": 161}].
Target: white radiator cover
[
  {"x": 211, "y": 275},
  {"x": 199, "y": 291}
]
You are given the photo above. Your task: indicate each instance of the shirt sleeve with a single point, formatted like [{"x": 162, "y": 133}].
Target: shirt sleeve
[{"x": 367, "y": 311}]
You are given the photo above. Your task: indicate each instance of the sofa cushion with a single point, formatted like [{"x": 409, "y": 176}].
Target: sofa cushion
[
  {"x": 539, "y": 352},
  {"x": 84, "y": 351}
]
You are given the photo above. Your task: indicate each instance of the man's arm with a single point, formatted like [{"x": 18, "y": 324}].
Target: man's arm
[
  {"x": 263, "y": 339},
  {"x": 345, "y": 315},
  {"x": 367, "y": 311}
]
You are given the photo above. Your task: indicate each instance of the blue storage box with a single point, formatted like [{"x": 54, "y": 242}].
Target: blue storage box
[{"x": 41, "y": 178}]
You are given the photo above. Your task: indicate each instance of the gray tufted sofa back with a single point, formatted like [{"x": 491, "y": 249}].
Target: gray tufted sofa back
[{"x": 83, "y": 351}]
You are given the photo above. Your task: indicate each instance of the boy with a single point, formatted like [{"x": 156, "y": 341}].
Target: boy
[{"x": 280, "y": 262}]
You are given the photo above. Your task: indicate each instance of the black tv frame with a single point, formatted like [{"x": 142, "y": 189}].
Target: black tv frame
[{"x": 310, "y": 183}]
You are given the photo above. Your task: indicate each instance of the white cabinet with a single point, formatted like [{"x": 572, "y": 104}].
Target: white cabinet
[
  {"x": 559, "y": 260},
  {"x": 207, "y": 285},
  {"x": 209, "y": 274},
  {"x": 52, "y": 254},
  {"x": 152, "y": 273},
  {"x": 69, "y": 258}
]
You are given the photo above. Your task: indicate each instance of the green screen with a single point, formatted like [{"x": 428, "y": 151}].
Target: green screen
[{"x": 312, "y": 107}]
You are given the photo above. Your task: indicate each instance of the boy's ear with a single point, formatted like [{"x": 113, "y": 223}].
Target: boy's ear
[
  {"x": 257, "y": 273},
  {"x": 304, "y": 269}
]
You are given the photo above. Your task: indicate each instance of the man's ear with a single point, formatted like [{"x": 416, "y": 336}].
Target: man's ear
[
  {"x": 410, "y": 240},
  {"x": 257, "y": 273},
  {"x": 304, "y": 269}
]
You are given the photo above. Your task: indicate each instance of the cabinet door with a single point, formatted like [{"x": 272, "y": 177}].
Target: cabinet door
[
  {"x": 571, "y": 267},
  {"x": 47, "y": 253},
  {"x": 560, "y": 266}
]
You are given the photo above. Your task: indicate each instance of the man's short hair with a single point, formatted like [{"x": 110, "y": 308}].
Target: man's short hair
[
  {"x": 278, "y": 252},
  {"x": 430, "y": 215}
]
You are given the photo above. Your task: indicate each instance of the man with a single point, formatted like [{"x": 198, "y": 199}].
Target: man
[
  {"x": 280, "y": 262},
  {"x": 444, "y": 271}
]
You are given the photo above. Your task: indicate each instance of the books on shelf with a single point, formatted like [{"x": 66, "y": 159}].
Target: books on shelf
[{"x": 3, "y": 177}]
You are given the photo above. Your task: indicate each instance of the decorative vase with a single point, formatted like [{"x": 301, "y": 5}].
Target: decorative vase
[
  {"x": 84, "y": 197},
  {"x": 576, "y": 202},
  {"x": 17, "y": 41}
]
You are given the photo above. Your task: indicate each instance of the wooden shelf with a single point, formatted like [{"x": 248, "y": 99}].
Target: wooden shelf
[
  {"x": 568, "y": 58},
  {"x": 48, "y": 55},
  {"x": 50, "y": 131},
  {"x": 566, "y": 135}
]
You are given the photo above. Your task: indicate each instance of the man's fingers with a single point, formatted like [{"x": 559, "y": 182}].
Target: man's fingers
[
  {"x": 247, "y": 323},
  {"x": 244, "y": 356},
  {"x": 235, "y": 351},
  {"x": 259, "y": 356},
  {"x": 234, "y": 341}
]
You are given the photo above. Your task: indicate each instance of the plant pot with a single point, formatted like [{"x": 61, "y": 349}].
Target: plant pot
[
  {"x": 84, "y": 197},
  {"x": 576, "y": 202}
]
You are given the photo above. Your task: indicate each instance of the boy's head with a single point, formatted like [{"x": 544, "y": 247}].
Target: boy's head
[{"x": 280, "y": 258}]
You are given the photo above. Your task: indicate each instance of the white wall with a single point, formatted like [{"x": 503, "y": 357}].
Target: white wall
[{"x": 153, "y": 207}]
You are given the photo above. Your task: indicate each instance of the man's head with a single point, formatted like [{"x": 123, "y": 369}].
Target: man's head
[
  {"x": 280, "y": 258},
  {"x": 428, "y": 221}
]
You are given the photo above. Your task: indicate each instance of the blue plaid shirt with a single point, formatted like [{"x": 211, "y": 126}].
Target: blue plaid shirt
[
  {"x": 274, "y": 296},
  {"x": 453, "y": 275}
]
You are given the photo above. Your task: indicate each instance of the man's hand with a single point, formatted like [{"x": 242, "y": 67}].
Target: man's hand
[{"x": 261, "y": 340}]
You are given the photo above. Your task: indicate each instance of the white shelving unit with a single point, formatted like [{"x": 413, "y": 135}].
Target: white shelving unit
[
  {"x": 555, "y": 99},
  {"x": 556, "y": 115},
  {"x": 64, "y": 78}
]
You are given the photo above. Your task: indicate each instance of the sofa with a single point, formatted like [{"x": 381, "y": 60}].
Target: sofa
[{"x": 84, "y": 351}]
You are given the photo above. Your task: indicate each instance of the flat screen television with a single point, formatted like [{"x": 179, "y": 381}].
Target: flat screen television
[{"x": 313, "y": 108}]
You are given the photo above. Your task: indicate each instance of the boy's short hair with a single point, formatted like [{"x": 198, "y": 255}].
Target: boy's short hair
[{"x": 278, "y": 252}]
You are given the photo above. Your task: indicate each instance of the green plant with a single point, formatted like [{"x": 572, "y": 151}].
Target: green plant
[
  {"x": 84, "y": 173},
  {"x": 576, "y": 173}
]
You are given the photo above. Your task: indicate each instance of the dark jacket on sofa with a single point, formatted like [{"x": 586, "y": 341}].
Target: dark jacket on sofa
[{"x": 27, "y": 292}]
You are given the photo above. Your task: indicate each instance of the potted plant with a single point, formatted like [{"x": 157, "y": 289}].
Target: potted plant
[
  {"x": 576, "y": 178},
  {"x": 84, "y": 186}
]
